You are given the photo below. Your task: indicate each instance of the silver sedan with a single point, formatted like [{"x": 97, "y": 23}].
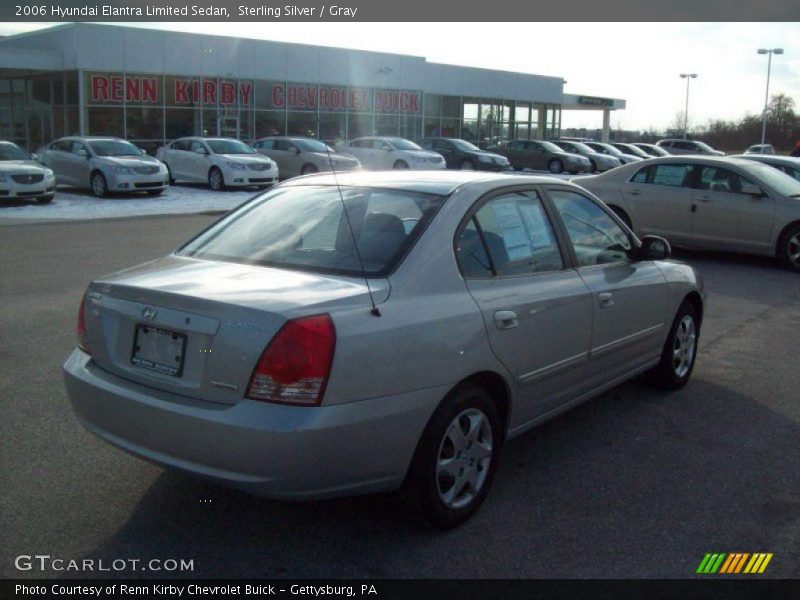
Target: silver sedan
[
  {"x": 345, "y": 335},
  {"x": 105, "y": 165},
  {"x": 704, "y": 202},
  {"x": 304, "y": 156}
]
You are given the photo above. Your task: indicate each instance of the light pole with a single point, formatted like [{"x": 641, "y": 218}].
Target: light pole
[
  {"x": 688, "y": 77},
  {"x": 770, "y": 52}
]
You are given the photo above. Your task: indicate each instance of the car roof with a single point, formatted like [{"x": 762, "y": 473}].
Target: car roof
[
  {"x": 787, "y": 160},
  {"x": 695, "y": 158},
  {"x": 442, "y": 182}
]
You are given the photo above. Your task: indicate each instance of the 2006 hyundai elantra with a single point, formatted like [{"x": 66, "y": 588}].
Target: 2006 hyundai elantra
[{"x": 351, "y": 335}]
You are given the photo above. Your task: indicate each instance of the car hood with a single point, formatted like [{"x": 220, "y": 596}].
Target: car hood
[
  {"x": 335, "y": 156},
  {"x": 421, "y": 153},
  {"x": 21, "y": 166},
  {"x": 247, "y": 159},
  {"x": 130, "y": 161},
  {"x": 493, "y": 155},
  {"x": 571, "y": 156}
]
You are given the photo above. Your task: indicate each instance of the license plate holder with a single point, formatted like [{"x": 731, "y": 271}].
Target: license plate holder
[{"x": 159, "y": 350}]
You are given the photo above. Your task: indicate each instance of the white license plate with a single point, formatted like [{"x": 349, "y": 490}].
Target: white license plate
[{"x": 159, "y": 350}]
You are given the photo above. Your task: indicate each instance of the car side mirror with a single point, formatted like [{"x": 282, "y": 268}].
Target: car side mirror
[
  {"x": 654, "y": 248},
  {"x": 294, "y": 150},
  {"x": 83, "y": 153},
  {"x": 142, "y": 151},
  {"x": 201, "y": 151},
  {"x": 752, "y": 190}
]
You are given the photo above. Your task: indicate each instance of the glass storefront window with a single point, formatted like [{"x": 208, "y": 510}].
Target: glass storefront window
[
  {"x": 332, "y": 127},
  {"x": 182, "y": 91},
  {"x": 359, "y": 125},
  {"x": 431, "y": 127},
  {"x": 301, "y": 123},
  {"x": 386, "y": 125},
  {"x": 105, "y": 121},
  {"x": 471, "y": 109},
  {"x": 180, "y": 122},
  {"x": 451, "y": 128},
  {"x": 144, "y": 122},
  {"x": 433, "y": 105},
  {"x": 209, "y": 122},
  {"x": 409, "y": 127},
  {"x": 469, "y": 130},
  {"x": 451, "y": 107},
  {"x": 270, "y": 122}
]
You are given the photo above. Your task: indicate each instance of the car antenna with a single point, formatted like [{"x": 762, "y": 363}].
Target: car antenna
[{"x": 375, "y": 311}]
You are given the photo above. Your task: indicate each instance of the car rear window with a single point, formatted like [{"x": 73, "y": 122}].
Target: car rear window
[{"x": 307, "y": 228}]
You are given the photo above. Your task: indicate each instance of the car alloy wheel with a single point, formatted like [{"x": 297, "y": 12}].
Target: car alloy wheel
[
  {"x": 684, "y": 346},
  {"x": 556, "y": 167},
  {"x": 215, "y": 180},
  {"x": 400, "y": 164},
  {"x": 466, "y": 165},
  {"x": 793, "y": 250},
  {"x": 99, "y": 187},
  {"x": 308, "y": 170},
  {"x": 464, "y": 457}
]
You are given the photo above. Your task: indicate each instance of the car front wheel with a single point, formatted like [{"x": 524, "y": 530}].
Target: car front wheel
[
  {"x": 466, "y": 165},
  {"x": 215, "y": 179},
  {"x": 790, "y": 247},
  {"x": 400, "y": 164},
  {"x": 680, "y": 350},
  {"x": 98, "y": 184},
  {"x": 457, "y": 457},
  {"x": 556, "y": 166}
]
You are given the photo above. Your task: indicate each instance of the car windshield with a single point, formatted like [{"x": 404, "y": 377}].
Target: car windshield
[
  {"x": 635, "y": 151},
  {"x": 312, "y": 146},
  {"x": 403, "y": 144},
  {"x": 306, "y": 228},
  {"x": 600, "y": 147},
  {"x": 229, "y": 147},
  {"x": 704, "y": 146},
  {"x": 784, "y": 184},
  {"x": 464, "y": 145},
  {"x": 114, "y": 148},
  {"x": 9, "y": 151},
  {"x": 656, "y": 150},
  {"x": 582, "y": 147}
]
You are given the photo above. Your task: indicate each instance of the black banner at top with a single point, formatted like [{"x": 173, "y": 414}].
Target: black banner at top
[{"x": 399, "y": 10}]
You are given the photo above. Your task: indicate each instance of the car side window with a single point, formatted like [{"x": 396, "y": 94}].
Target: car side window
[
  {"x": 426, "y": 144},
  {"x": 671, "y": 174},
  {"x": 716, "y": 179},
  {"x": 641, "y": 175},
  {"x": 281, "y": 145},
  {"x": 77, "y": 147},
  {"x": 196, "y": 146},
  {"x": 268, "y": 145},
  {"x": 441, "y": 145},
  {"x": 510, "y": 235},
  {"x": 792, "y": 172},
  {"x": 515, "y": 145},
  {"x": 595, "y": 236},
  {"x": 361, "y": 144}
]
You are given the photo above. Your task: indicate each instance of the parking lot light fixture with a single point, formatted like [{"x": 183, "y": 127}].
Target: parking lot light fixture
[
  {"x": 769, "y": 52},
  {"x": 688, "y": 77}
]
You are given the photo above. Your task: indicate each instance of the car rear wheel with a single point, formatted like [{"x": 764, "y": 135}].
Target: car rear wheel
[
  {"x": 215, "y": 179},
  {"x": 789, "y": 247},
  {"x": 98, "y": 184},
  {"x": 309, "y": 169},
  {"x": 680, "y": 350},
  {"x": 400, "y": 164},
  {"x": 457, "y": 457},
  {"x": 556, "y": 166},
  {"x": 466, "y": 165}
]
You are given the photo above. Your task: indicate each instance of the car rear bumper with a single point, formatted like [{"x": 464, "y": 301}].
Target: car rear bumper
[{"x": 268, "y": 449}]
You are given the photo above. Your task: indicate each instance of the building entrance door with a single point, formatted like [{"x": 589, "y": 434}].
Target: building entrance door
[{"x": 228, "y": 127}]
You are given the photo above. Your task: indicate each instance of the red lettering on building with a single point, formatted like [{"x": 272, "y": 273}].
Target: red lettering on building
[
  {"x": 116, "y": 88},
  {"x": 149, "y": 89},
  {"x": 245, "y": 89},
  {"x": 181, "y": 93},
  {"x": 278, "y": 96},
  {"x": 227, "y": 93},
  {"x": 209, "y": 92},
  {"x": 99, "y": 88},
  {"x": 133, "y": 89}
]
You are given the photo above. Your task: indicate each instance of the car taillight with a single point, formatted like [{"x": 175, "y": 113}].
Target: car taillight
[
  {"x": 295, "y": 366},
  {"x": 83, "y": 340}
]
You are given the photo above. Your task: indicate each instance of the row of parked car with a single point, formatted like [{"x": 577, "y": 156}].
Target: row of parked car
[{"x": 107, "y": 165}]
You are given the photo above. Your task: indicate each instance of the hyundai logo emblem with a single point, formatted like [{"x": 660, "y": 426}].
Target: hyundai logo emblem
[{"x": 149, "y": 313}]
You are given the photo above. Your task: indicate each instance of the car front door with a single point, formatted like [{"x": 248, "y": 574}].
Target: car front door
[
  {"x": 362, "y": 150},
  {"x": 629, "y": 297},
  {"x": 537, "y": 311},
  {"x": 660, "y": 200},
  {"x": 55, "y": 158},
  {"x": 197, "y": 162},
  {"x": 78, "y": 165},
  {"x": 535, "y": 156},
  {"x": 725, "y": 218},
  {"x": 175, "y": 157},
  {"x": 446, "y": 149}
]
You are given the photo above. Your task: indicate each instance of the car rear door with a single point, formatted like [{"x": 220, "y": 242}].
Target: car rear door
[
  {"x": 536, "y": 309},
  {"x": 535, "y": 156},
  {"x": 660, "y": 200},
  {"x": 727, "y": 219},
  {"x": 629, "y": 297}
]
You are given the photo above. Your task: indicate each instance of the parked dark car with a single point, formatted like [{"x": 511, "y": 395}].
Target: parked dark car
[
  {"x": 542, "y": 156},
  {"x": 461, "y": 154}
]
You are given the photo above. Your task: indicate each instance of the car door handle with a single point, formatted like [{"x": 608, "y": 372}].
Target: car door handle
[
  {"x": 506, "y": 319},
  {"x": 606, "y": 299},
  {"x": 635, "y": 192},
  {"x": 705, "y": 199}
]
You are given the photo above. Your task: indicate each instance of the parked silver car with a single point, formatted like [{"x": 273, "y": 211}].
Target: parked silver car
[
  {"x": 23, "y": 177},
  {"x": 609, "y": 150},
  {"x": 688, "y": 147},
  {"x": 105, "y": 164},
  {"x": 303, "y": 156},
  {"x": 599, "y": 162},
  {"x": 706, "y": 202},
  {"x": 219, "y": 162},
  {"x": 760, "y": 149},
  {"x": 787, "y": 164},
  {"x": 301, "y": 349},
  {"x": 651, "y": 149}
]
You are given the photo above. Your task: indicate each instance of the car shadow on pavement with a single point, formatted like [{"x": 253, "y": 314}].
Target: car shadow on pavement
[{"x": 636, "y": 483}]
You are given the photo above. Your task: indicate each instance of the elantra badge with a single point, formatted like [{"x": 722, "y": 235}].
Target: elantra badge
[{"x": 149, "y": 313}]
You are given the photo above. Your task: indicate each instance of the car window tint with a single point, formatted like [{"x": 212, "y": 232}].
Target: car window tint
[
  {"x": 516, "y": 145},
  {"x": 77, "y": 147},
  {"x": 594, "y": 235},
  {"x": 196, "y": 146},
  {"x": 471, "y": 253},
  {"x": 675, "y": 175},
  {"x": 518, "y": 234},
  {"x": 281, "y": 145},
  {"x": 792, "y": 171},
  {"x": 641, "y": 176},
  {"x": 426, "y": 144},
  {"x": 715, "y": 179}
]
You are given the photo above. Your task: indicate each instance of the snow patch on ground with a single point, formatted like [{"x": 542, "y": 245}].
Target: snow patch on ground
[{"x": 73, "y": 204}]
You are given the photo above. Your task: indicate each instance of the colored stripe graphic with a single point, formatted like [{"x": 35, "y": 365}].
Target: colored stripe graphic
[{"x": 733, "y": 563}]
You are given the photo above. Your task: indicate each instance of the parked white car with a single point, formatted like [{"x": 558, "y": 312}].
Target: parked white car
[
  {"x": 21, "y": 176},
  {"x": 382, "y": 153},
  {"x": 221, "y": 162}
]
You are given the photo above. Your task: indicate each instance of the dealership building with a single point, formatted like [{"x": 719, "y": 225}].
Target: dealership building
[{"x": 152, "y": 86}]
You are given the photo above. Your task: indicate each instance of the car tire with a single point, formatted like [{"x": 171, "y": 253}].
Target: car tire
[
  {"x": 555, "y": 166},
  {"x": 593, "y": 166},
  {"x": 400, "y": 165},
  {"x": 98, "y": 184},
  {"x": 308, "y": 169},
  {"x": 171, "y": 178},
  {"x": 789, "y": 247},
  {"x": 680, "y": 351},
  {"x": 451, "y": 473},
  {"x": 154, "y": 192},
  {"x": 45, "y": 200},
  {"x": 216, "y": 181},
  {"x": 466, "y": 165}
]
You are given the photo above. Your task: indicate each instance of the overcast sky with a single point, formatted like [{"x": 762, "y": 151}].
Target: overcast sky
[{"x": 639, "y": 62}]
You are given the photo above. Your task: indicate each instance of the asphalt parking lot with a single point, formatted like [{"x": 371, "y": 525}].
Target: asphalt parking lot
[{"x": 635, "y": 483}]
